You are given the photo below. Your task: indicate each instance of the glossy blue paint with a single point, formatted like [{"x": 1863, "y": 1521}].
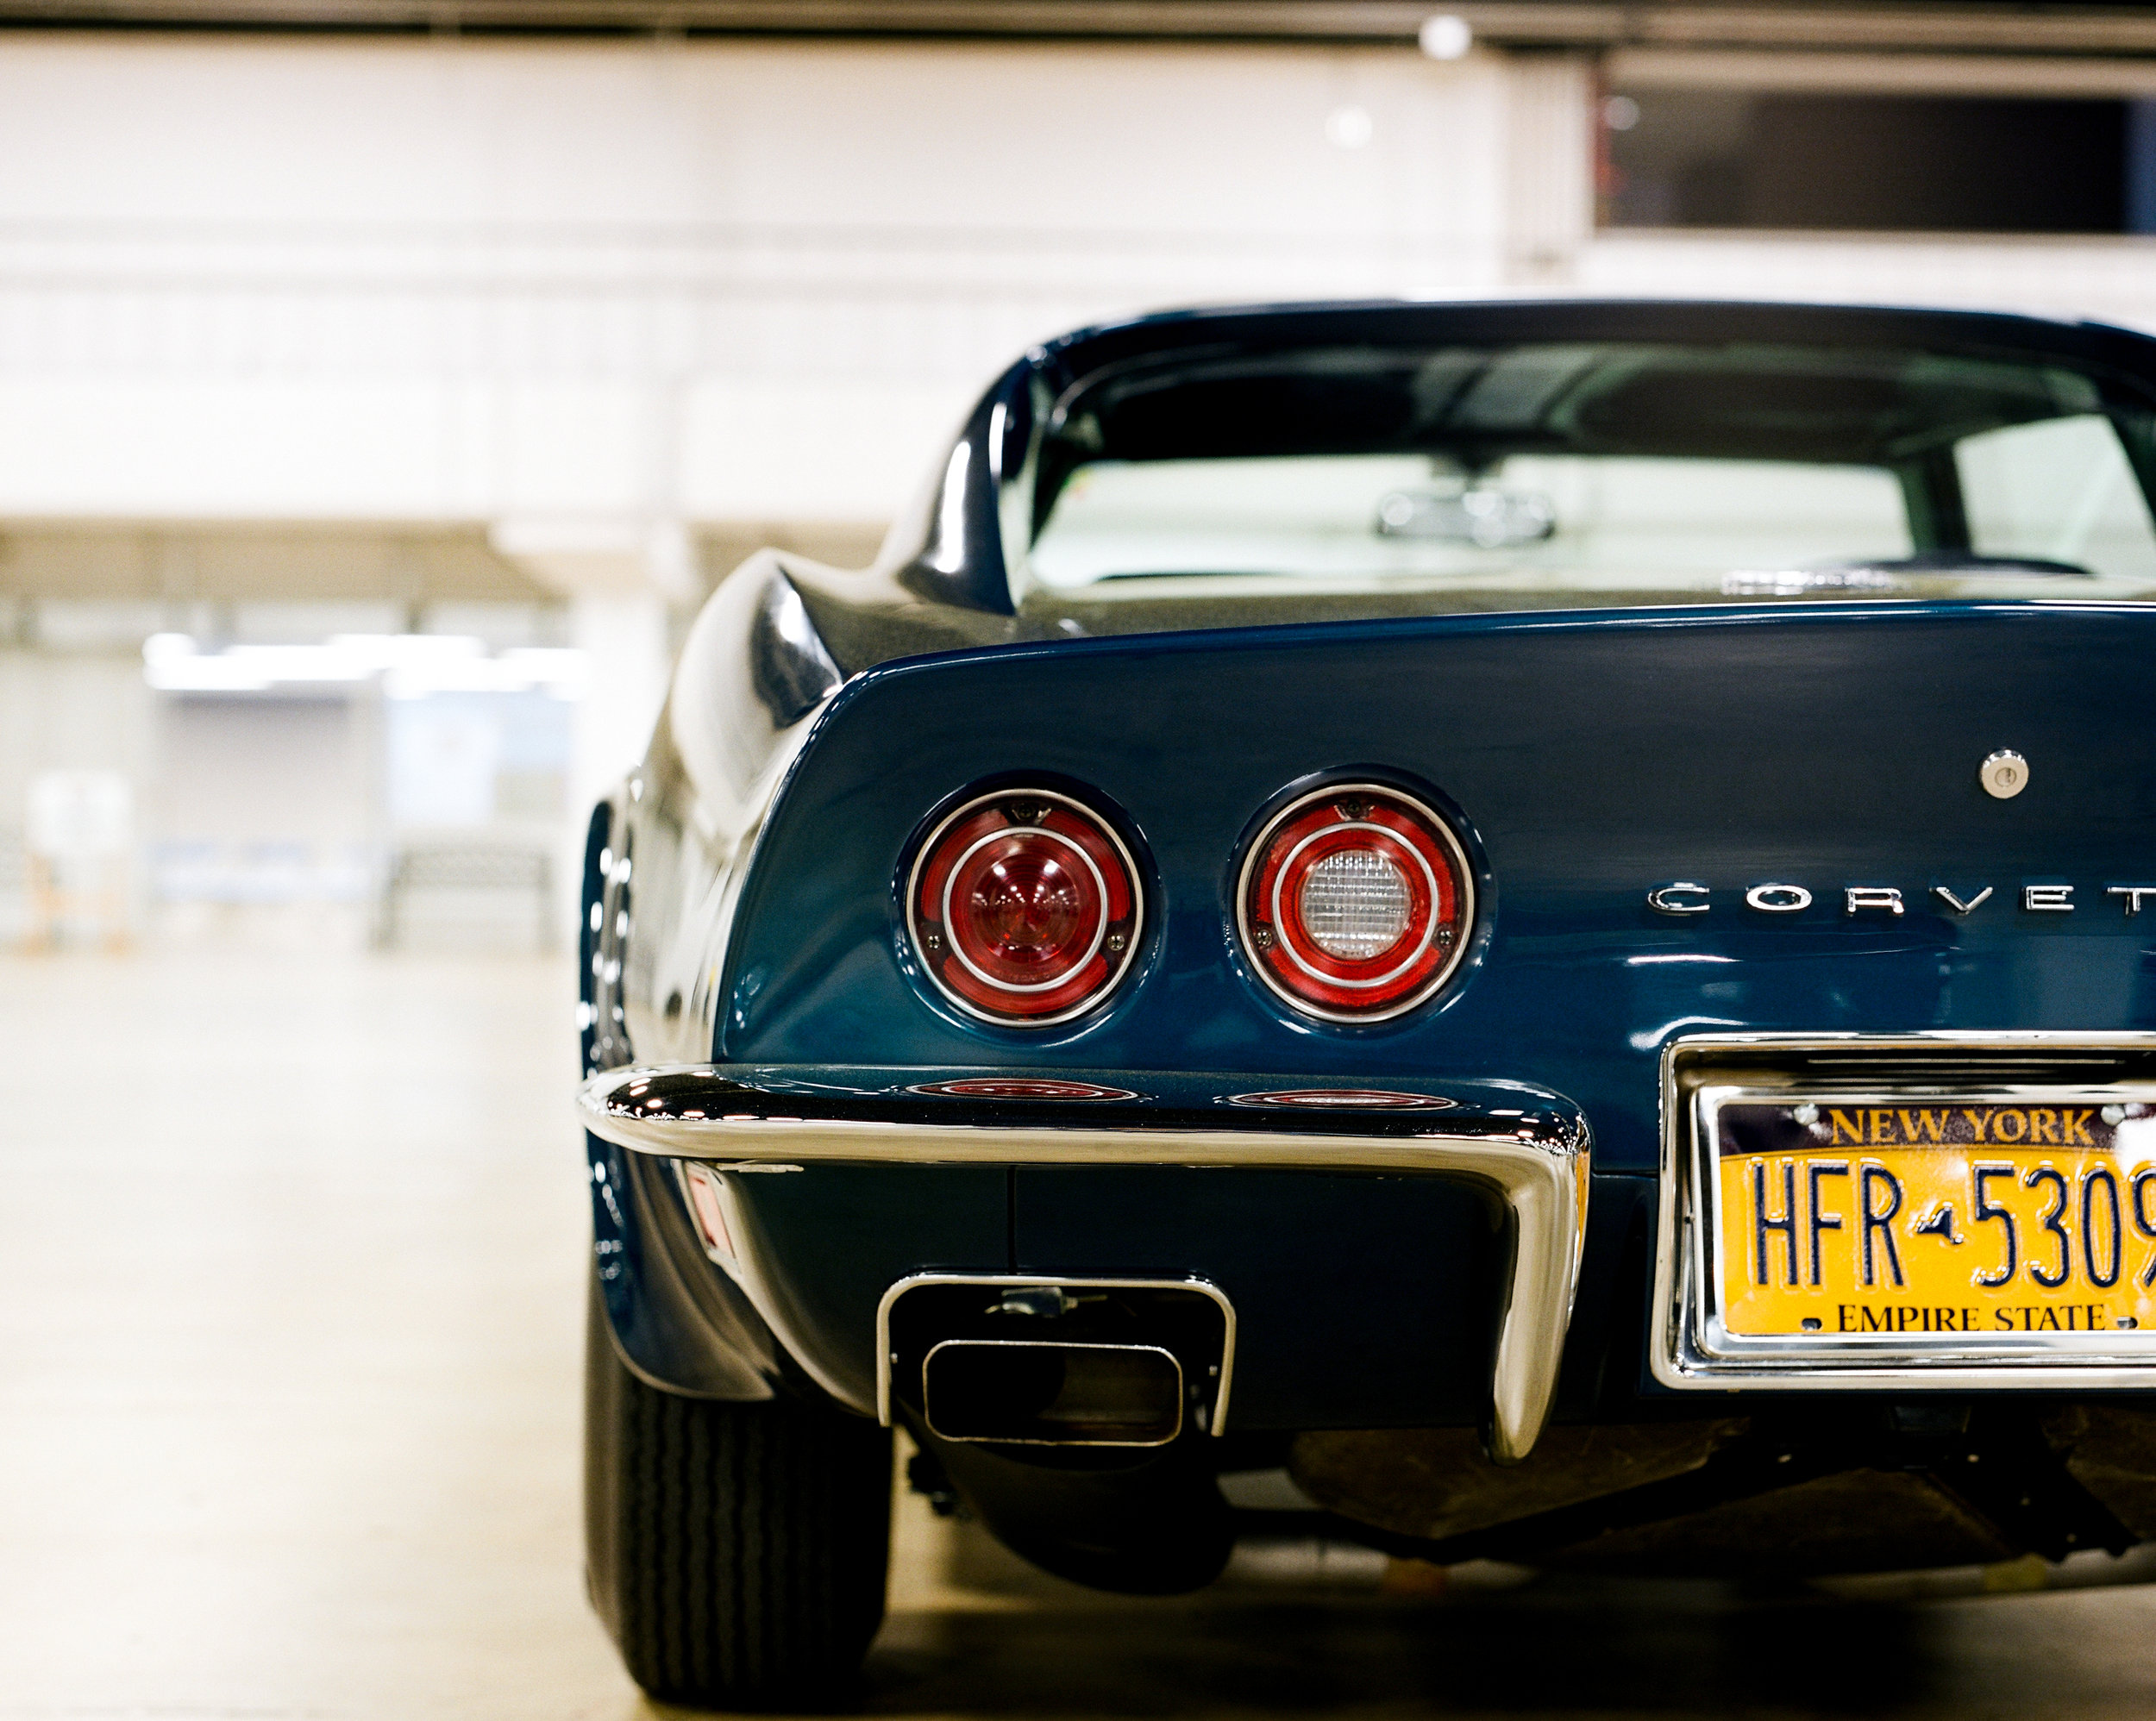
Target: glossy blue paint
[
  {"x": 1361, "y": 1301},
  {"x": 1595, "y": 755},
  {"x": 1591, "y": 756},
  {"x": 845, "y": 1233}
]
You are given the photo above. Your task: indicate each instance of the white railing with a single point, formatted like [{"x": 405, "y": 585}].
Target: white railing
[
  {"x": 745, "y": 300},
  {"x": 719, "y": 371},
  {"x": 2110, "y": 278}
]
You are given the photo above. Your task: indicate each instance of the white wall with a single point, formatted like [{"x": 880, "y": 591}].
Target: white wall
[
  {"x": 601, "y": 293},
  {"x": 234, "y": 771},
  {"x": 80, "y": 711},
  {"x": 437, "y": 279},
  {"x": 735, "y": 283},
  {"x": 584, "y": 298},
  {"x": 2113, "y": 279}
]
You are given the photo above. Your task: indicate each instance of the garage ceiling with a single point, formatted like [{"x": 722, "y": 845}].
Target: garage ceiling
[
  {"x": 1993, "y": 28},
  {"x": 240, "y": 564},
  {"x": 329, "y": 561}
]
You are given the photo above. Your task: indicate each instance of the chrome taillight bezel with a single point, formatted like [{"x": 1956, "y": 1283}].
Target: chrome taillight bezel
[
  {"x": 931, "y": 950},
  {"x": 1457, "y": 930}
]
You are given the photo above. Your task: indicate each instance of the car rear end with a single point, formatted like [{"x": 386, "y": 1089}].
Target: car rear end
[{"x": 1631, "y": 1050}]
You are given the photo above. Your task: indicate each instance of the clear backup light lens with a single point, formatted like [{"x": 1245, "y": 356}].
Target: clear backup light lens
[
  {"x": 1024, "y": 907},
  {"x": 1354, "y": 902}
]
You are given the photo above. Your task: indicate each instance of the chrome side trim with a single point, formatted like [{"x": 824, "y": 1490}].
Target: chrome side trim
[
  {"x": 1677, "y": 1355},
  {"x": 1541, "y": 1174},
  {"x": 1021, "y": 1282}
]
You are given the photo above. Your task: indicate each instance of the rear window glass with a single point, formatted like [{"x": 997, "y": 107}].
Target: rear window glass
[
  {"x": 2060, "y": 490},
  {"x": 1327, "y": 516},
  {"x": 1742, "y": 471}
]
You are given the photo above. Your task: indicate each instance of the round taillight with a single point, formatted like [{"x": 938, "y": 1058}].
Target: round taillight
[
  {"x": 1355, "y": 902},
  {"x": 1024, "y": 908}
]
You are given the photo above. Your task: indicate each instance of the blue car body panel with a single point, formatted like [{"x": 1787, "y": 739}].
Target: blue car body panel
[
  {"x": 1587, "y": 755},
  {"x": 1592, "y": 757}
]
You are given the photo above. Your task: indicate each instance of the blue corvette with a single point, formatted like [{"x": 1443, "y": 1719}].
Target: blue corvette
[{"x": 1528, "y": 926}]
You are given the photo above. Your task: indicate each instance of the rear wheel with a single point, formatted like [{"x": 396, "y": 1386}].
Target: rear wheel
[{"x": 737, "y": 1551}]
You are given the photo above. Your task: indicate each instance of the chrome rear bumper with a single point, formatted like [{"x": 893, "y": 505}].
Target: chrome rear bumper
[{"x": 1530, "y": 1148}]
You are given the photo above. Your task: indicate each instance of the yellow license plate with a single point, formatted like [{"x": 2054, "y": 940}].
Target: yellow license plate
[{"x": 1846, "y": 1219}]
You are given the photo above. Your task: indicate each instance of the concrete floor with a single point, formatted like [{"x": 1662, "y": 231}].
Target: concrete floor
[{"x": 291, "y": 1271}]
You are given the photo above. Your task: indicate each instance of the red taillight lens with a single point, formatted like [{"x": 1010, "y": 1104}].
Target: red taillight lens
[
  {"x": 1025, "y": 907},
  {"x": 1354, "y": 903}
]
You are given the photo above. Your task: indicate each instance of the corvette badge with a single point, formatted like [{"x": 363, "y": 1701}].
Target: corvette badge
[{"x": 1685, "y": 896}]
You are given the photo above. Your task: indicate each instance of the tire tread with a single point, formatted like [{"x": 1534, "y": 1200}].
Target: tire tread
[{"x": 749, "y": 1542}]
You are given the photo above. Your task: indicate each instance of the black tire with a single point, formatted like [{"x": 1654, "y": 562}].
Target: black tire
[{"x": 737, "y": 1552}]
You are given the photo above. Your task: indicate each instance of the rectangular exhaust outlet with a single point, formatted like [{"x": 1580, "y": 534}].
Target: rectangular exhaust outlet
[{"x": 1028, "y": 1392}]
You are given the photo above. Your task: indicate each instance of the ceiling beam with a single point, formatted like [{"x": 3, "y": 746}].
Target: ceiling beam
[
  {"x": 1782, "y": 72},
  {"x": 185, "y": 562},
  {"x": 2080, "y": 29}
]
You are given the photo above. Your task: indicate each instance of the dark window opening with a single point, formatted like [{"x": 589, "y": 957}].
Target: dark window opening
[{"x": 1735, "y": 158}]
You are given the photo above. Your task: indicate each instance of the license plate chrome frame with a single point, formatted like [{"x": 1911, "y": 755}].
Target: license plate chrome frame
[{"x": 1690, "y": 1349}]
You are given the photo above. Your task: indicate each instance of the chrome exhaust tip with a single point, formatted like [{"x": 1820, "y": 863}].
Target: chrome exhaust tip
[
  {"x": 1009, "y": 1360},
  {"x": 1052, "y": 1393}
]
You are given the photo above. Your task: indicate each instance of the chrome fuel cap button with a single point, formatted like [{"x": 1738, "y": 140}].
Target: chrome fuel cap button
[{"x": 2005, "y": 774}]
